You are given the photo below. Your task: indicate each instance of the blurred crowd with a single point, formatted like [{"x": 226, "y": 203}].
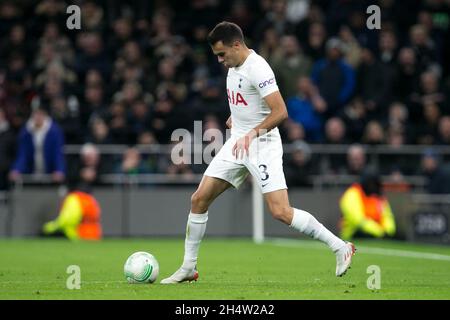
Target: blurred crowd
[{"x": 137, "y": 71}]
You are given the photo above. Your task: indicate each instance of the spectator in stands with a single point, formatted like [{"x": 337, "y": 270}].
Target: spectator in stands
[
  {"x": 132, "y": 163},
  {"x": 40, "y": 147},
  {"x": 356, "y": 159},
  {"x": 269, "y": 44},
  {"x": 92, "y": 55},
  {"x": 387, "y": 47},
  {"x": 407, "y": 75},
  {"x": 436, "y": 172},
  {"x": 16, "y": 43},
  {"x": 122, "y": 29},
  {"x": 56, "y": 71},
  {"x": 130, "y": 93},
  {"x": 353, "y": 50},
  {"x": 423, "y": 46},
  {"x": 130, "y": 65},
  {"x": 365, "y": 210},
  {"x": 374, "y": 84},
  {"x": 335, "y": 131},
  {"x": 94, "y": 105},
  {"x": 60, "y": 43},
  {"x": 428, "y": 92},
  {"x": 444, "y": 131},
  {"x": 130, "y": 54},
  {"x": 7, "y": 150},
  {"x": 139, "y": 118},
  {"x": 427, "y": 131},
  {"x": 289, "y": 64},
  {"x": 334, "y": 77},
  {"x": 118, "y": 123},
  {"x": 293, "y": 131},
  {"x": 303, "y": 28},
  {"x": 150, "y": 161},
  {"x": 374, "y": 133},
  {"x": 65, "y": 111},
  {"x": 307, "y": 107},
  {"x": 15, "y": 90},
  {"x": 241, "y": 14},
  {"x": 85, "y": 172},
  {"x": 298, "y": 167},
  {"x": 276, "y": 17},
  {"x": 99, "y": 132},
  {"x": 397, "y": 116},
  {"x": 354, "y": 116},
  {"x": 315, "y": 45},
  {"x": 92, "y": 16},
  {"x": 50, "y": 10}
]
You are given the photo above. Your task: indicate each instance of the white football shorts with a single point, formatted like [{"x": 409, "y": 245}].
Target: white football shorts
[{"x": 265, "y": 163}]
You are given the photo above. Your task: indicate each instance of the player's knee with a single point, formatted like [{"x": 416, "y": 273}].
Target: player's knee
[{"x": 199, "y": 202}]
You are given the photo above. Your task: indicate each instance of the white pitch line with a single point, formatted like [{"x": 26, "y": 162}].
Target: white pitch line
[
  {"x": 57, "y": 281},
  {"x": 362, "y": 249}
]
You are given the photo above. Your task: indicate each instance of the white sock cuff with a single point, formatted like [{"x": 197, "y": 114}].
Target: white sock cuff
[
  {"x": 199, "y": 218},
  {"x": 300, "y": 220}
]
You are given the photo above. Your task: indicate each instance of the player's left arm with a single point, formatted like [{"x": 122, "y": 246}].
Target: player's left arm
[{"x": 277, "y": 115}]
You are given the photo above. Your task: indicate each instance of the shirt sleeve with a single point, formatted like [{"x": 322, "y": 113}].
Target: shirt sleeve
[{"x": 263, "y": 78}]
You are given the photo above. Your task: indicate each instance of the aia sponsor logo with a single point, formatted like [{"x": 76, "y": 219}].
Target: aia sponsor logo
[
  {"x": 236, "y": 98},
  {"x": 266, "y": 83}
]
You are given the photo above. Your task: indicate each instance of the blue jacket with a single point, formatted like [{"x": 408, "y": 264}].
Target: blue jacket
[
  {"x": 53, "y": 151},
  {"x": 335, "y": 80},
  {"x": 302, "y": 111}
]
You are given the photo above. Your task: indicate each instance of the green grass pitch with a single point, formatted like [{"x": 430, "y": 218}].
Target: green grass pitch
[{"x": 229, "y": 269}]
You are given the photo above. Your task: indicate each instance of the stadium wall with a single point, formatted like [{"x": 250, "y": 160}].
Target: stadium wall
[{"x": 162, "y": 211}]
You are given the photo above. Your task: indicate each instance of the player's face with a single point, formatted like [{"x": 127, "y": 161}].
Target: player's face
[{"x": 226, "y": 55}]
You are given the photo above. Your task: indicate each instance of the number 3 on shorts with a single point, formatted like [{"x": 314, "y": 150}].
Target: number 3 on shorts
[{"x": 263, "y": 169}]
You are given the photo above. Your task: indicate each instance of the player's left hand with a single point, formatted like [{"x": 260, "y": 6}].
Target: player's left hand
[{"x": 242, "y": 145}]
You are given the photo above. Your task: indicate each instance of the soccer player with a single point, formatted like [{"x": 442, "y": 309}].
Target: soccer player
[{"x": 255, "y": 147}]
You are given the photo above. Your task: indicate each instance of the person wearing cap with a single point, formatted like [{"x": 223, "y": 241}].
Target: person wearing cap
[
  {"x": 40, "y": 147},
  {"x": 334, "y": 77},
  {"x": 365, "y": 210}
]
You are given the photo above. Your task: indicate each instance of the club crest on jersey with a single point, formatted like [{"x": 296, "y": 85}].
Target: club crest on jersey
[{"x": 236, "y": 98}]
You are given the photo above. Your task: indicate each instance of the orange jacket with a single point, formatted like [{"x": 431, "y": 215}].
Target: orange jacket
[{"x": 89, "y": 227}]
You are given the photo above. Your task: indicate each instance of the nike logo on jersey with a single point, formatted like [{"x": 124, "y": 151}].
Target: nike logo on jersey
[{"x": 236, "y": 98}]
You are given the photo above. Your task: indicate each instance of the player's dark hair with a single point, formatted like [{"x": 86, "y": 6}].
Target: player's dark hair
[{"x": 227, "y": 32}]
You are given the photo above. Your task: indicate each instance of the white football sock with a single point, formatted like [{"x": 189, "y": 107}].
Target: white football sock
[
  {"x": 195, "y": 230},
  {"x": 304, "y": 222}
]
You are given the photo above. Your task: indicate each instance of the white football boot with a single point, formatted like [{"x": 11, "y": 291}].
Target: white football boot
[
  {"x": 181, "y": 275},
  {"x": 344, "y": 258}
]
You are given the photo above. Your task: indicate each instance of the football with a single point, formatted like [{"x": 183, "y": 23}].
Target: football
[{"x": 141, "y": 267}]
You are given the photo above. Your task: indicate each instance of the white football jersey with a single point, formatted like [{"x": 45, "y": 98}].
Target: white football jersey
[{"x": 247, "y": 85}]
